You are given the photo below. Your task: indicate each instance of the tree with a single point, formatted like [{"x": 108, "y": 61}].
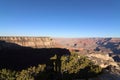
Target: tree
[{"x": 78, "y": 67}]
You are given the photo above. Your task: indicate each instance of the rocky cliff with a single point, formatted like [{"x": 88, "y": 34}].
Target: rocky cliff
[
  {"x": 102, "y": 60},
  {"x": 34, "y": 42}
]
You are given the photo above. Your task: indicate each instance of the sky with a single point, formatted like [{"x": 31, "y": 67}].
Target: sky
[{"x": 60, "y": 18}]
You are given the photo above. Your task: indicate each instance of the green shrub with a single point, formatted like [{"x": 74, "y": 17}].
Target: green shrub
[
  {"x": 7, "y": 74},
  {"x": 78, "y": 67},
  {"x": 28, "y": 74}
]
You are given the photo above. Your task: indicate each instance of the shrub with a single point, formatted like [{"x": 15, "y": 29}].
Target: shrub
[
  {"x": 27, "y": 74},
  {"x": 7, "y": 74},
  {"x": 78, "y": 67}
]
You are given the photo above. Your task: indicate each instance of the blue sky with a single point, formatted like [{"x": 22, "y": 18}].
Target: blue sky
[{"x": 60, "y": 18}]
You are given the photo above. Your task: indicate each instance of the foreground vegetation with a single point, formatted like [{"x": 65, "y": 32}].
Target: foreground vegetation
[{"x": 58, "y": 68}]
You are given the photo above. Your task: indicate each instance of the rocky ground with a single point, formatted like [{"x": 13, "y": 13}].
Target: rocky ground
[{"x": 111, "y": 74}]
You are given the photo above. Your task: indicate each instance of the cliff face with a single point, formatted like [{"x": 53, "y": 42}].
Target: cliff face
[
  {"x": 34, "y": 42},
  {"x": 103, "y": 60}
]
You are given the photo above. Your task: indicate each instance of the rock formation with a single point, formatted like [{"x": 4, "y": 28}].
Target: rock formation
[
  {"x": 34, "y": 42},
  {"x": 98, "y": 44},
  {"x": 102, "y": 60},
  {"x": 109, "y": 46}
]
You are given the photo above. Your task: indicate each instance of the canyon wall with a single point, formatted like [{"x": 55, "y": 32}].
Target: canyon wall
[
  {"x": 34, "y": 42},
  {"x": 103, "y": 44},
  {"x": 107, "y": 45}
]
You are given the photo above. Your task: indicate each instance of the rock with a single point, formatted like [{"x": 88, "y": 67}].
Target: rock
[
  {"x": 34, "y": 42},
  {"x": 102, "y": 60}
]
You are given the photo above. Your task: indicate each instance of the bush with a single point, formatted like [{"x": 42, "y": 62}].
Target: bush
[
  {"x": 78, "y": 67},
  {"x": 63, "y": 68},
  {"x": 7, "y": 74},
  {"x": 28, "y": 74}
]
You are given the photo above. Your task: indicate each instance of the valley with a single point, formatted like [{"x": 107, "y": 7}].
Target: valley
[{"x": 24, "y": 52}]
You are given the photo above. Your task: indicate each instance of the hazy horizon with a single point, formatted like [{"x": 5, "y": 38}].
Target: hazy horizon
[
  {"x": 60, "y": 18},
  {"x": 56, "y": 37}
]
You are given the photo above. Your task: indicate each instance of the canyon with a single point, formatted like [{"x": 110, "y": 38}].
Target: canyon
[
  {"x": 86, "y": 46},
  {"x": 108, "y": 45},
  {"x": 102, "y": 51}
]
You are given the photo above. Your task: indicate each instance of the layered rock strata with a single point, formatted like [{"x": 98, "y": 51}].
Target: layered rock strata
[{"x": 34, "y": 42}]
